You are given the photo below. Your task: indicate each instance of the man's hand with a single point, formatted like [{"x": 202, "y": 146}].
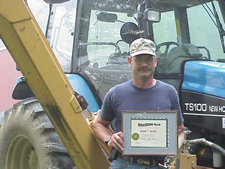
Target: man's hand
[
  {"x": 100, "y": 128},
  {"x": 180, "y": 128},
  {"x": 117, "y": 141}
]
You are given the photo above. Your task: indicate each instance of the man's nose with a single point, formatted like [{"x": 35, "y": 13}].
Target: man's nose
[{"x": 145, "y": 62}]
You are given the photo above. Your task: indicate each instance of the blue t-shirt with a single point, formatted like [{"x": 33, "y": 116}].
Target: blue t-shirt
[{"x": 126, "y": 96}]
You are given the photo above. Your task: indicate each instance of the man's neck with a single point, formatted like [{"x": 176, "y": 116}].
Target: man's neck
[{"x": 144, "y": 84}]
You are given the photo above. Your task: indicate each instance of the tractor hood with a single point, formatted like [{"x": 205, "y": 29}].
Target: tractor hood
[{"x": 205, "y": 77}]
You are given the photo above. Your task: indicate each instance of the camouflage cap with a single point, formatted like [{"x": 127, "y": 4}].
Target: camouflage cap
[{"x": 142, "y": 46}]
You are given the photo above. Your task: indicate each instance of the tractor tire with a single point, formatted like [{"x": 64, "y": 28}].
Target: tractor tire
[{"x": 28, "y": 140}]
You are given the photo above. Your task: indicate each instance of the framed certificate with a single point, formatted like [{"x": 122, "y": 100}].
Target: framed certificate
[{"x": 149, "y": 132}]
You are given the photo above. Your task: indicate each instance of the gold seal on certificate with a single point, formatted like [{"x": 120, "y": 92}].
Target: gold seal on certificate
[{"x": 149, "y": 132}]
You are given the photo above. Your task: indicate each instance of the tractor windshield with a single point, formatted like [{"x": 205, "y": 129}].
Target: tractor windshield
[
  {"x": 102, "y": 52},
  {"x": 60, "y": 31},
  {"x": 99, "y": 39}
]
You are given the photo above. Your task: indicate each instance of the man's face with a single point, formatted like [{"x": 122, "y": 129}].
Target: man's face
[{"x": 143, "y": 66}]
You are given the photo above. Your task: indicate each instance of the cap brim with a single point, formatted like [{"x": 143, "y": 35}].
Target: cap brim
[{"x": 142, "y": 53}]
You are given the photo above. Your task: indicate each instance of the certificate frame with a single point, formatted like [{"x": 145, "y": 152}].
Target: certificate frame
[{"x": 149, "y": 132}]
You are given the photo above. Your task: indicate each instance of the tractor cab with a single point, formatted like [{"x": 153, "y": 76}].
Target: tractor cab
[{"x": 93, "y": 37}]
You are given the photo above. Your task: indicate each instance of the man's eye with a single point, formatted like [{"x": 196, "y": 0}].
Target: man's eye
[{"x": 139, "y": 59}]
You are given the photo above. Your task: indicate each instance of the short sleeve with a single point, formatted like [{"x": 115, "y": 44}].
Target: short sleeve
[
  {"x": 107, "y": 109},
  {"x": 176, "y": 106}
]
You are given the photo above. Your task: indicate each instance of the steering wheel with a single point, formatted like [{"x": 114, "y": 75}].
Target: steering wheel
[{"x": 167, "y": 44}]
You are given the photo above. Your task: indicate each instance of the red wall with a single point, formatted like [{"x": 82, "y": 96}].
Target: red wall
[{"x": 8, "y": 76}]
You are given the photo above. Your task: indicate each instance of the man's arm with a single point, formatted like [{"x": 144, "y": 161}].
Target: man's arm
[{"x": 100, "y": 128}]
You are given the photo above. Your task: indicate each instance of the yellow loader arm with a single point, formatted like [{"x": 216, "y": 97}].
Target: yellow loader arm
[{"x": 25, "y": 41}]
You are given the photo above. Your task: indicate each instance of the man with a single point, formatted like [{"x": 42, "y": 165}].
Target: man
[{"x": 143, "y": 92}]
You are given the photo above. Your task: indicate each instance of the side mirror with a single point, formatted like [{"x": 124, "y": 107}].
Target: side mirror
[
  {"x": 55, "y": 1},
  {"x": 129, "y": 32},
  {"x": 106, "y": 17},
  {"x": 152, "y": 15}
]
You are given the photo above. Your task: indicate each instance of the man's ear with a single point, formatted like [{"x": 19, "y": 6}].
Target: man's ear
[
  {"x": 156, "y": 61},
  {"x": 129, "y": 60}
]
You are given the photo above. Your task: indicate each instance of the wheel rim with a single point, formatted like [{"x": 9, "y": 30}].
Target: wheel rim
[{"x": 21, "y": 154}]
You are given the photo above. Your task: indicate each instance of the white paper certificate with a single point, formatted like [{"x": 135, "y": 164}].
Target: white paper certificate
[{"x": 149, "y": 132}]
